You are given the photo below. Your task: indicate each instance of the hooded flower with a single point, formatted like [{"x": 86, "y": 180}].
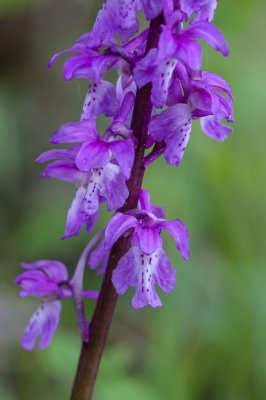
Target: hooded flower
[
  {"x": 91, "y": 63},
  {"x": 96, "y": 151},
  {"x": 145, "y": 263},
  {"x": 158, "y": 66},
  {"x": 106, "y": 183},
  {"x": 204, "y": 97},
  {"x": 44, "y": 279}
]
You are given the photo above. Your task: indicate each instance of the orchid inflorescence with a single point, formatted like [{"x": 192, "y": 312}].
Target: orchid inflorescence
[{"x": 104, "y": 165}]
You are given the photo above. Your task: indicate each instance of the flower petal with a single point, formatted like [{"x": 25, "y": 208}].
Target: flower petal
[
  {"x": 145, "y": 200},
  {"x": 64, "y": 171},
  {"x": 138, "y": 270},
  {"x": 123, "y": 151},
  {"x": 117, "y": 225},
  {"x": 93, "y": 155},
  {"x": 43, "y": 323},
  {"x": 99, "y": 256},
  {"x": 124, "y": 275},
  {"x": 151, "y": 8},
  {"x": 205, "y": 9},
  {"x": 161, "y": 81},
  {"x": 145, "y": 69},
  {"x": 113, "y": 187},
  {"x": 176, "y": 145},
  {"x": 73, "y": 132},
  {"x": 174, "y": 126},
  {"x": 88, "y": 67},
  {"x": 75, "y": 47},
  {"x": 120, "y": 16},
  {"x": 167, "y": 44},
  {"x": 201, "y": 99},
  {"x": 68, "y": 154},
  {"x": 81, "y": 211},
  {"x": 147, "y": 238},
  {"x": 114, "y": 15},
  {"x": 169, "y": 122},
  {"x": 179, "y": 232},
  {"x": 189, "y": 52},
  {"x": 101, "y": 98},
  {"x": 210, "y": 34},
  {"x": 217, "y": 83},
  {"x": 159, "y": 212},
  {"x": 165, "y": 275},
  {"x": 91, "y": 221},
  {"x": 55, "y": 270},
  {"x": 28, "y": 278},
  {"x": 43, "y": 290},
  {"x": 214, "y": 128}
]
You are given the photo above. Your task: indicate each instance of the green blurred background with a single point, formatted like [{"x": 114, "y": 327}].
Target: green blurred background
[{"x": 207, "y": 342}]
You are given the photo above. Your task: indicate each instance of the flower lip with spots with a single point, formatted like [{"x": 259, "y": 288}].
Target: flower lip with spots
[
  {"x": 47, "y": 280},
  {"x": 146, "y": 262}
]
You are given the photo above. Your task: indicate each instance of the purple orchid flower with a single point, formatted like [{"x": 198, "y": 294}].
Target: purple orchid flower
[
  {"x": 106, "y": 183},
  {"x": 204, "y": 97},
  {"x": 158, "y": 66},
  {"x": 207, "y": 98},
  {"x": 146, "y": 263},
  {"x": 99, "y": 256},
  {"x": 96, "y": 151},
  {"x": 45, "y": 279}
]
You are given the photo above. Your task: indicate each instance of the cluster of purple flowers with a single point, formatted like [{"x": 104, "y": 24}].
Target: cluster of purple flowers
[{"x": 100, "y": 163}]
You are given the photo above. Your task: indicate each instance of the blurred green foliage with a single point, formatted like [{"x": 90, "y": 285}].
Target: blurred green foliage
[
  {"x": 208, "y": 340},
  {"x": 17, "y": 6}
]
